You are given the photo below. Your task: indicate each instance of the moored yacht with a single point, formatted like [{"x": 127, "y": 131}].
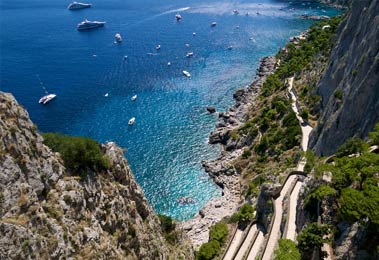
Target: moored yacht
[
  {"x": 87, "y": 25},
  {"x": 132, "y": 121},
  {"x": 77, "y": 6},
  {"x": 186, "y": 73},
  {"x": 118, "y": 37},
  {"x": 189, "y": 54},
  {"x": 43, "y": 100}
]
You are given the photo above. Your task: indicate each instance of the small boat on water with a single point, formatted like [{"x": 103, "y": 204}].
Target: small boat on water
[
  {"x": 87, "y": 25},
  {"x": 193, "y": 34},
  {"x": 186, "y": 73},
  {"x": 118, "y": 37},
  {"x": 134, "y": 97},
  {"x": 77, "y": 6},
  {"x": 213, "y": 24},
  {"x": 106, "y": 95},
  {"x": 235, "y": 11},
  {"x": 189, "y": 54},
  {"x": 230, "y": 47},
  {"x": 125, "y": 57},
  {"x": 168, "y": 63},
  {"x": 132, "y": 121},
  {"x": 43, "y": 100},
  {"x": 187, "y": 45},
  {"x": 185, "y": 200},
  {"x": 178, "y": 17},
  {"x": 158, "y": 47}
]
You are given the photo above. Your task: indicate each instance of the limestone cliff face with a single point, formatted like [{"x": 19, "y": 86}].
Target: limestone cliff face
[
  {"x": 350, "y": 86},
  {"x": 47, "y": 214}
]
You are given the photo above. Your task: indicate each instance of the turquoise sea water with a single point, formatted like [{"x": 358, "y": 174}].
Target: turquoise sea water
[{"x": 169, "y": 139}]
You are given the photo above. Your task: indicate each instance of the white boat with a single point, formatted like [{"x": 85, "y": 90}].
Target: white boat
[
  {"x": 87, "y": 25},
  {"x": 230, "y": 47},
  {"x": 132, "y": 121},
  {"x": 235, "y": 11},
  {"x": 106, "y": 95},
  {"x": 77, "y": 6},
  {"x": 134, "y": 97},
  {"x": 189, "y": 54},
  {"x": 125, "y": 57},
  {"x": 178, "y": 17},
  {"x": 43, "y": 100},
  {"x": 118, "y": 37},
  {"x": 168, "y": 63},
  {"x": 158, "y": 47},
  {"x": 193, "y": 34},
  {"x": 186, "y": 73},
  {"x": 213, "y": 24}
]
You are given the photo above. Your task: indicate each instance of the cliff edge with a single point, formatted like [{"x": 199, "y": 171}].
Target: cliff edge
[
  {"x": 349, "y": 86},
  {"x": 47, "y": 212}
]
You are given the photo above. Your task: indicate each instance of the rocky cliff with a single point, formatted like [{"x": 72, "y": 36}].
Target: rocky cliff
[
  {"x": 46, "y": 213},
  {"x": 349, "y": 86}
]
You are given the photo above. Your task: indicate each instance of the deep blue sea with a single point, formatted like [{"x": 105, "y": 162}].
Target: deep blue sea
[{"x": 169, "y": 139}]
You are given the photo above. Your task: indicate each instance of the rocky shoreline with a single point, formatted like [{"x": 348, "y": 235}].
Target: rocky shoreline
[{"x": 221, "y": 170}]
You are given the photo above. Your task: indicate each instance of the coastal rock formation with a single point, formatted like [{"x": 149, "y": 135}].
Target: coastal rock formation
[
  {"x": 221, "y": 170},
  {"x": 46, "y": 213},
  {"x": 349, "y": 86}
]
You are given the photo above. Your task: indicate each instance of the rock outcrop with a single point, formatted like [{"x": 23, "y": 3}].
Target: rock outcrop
[
  {"x": 46, "y": 213},
  {"x": 349, "y": 86}
]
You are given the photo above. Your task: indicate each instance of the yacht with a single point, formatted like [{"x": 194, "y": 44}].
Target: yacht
[
  {"x": 132, "y": 121},
  {"x": 134, "y": 97},
  {"x": 118, "y": 37},
  {"x": 106, "y": 95},
  {"x": 193, "y": 34},
  {"x": 213, "y": 24},
  {"x": 77, "y": 6},
  {"x": 87, "y": 25},
  {"x": 43, "y": 100},
  {"x": 189, "y": 54},
  {"x": 186, "y": 73},
  {"x": 158, "y": 47},
  {"x": 230, "y": 47},
  {"x": 178, "y": 17}
]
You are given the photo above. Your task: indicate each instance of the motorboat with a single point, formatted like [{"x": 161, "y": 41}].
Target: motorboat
[
  {"x": 193, "y": 34},
  {"x": 168, "y": 63},
  {"x": 134, "y": 97},
  {"x": 186, "y": 73},
  {"x": 230, "y": 47},
  {"x": 213, "y": 24},
  {"x": 87, "y": 25},
  {"x": 125, "y": 57},
  {"x": 43, "y": 100},
  {"x": 187, "y": 45},
  {"x": 235, "y": 11},
  {"x": 132, "y": 121},
  {"x": 118, "y": 37},
  {"x": 77, "y": 6},
  {"x": 189, "y": 54},
  {"x": 158, "y": 47},
  {"x": 178, "y": 17},
  {"x": 106, "y": 95}
]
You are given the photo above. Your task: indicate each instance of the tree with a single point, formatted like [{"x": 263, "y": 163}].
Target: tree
[
  {"x": 219, "y": 232},
  {"x": 312, "y": 236},
  {"x": 208, "y": 250},
  {"x": 287, "y": 250},
  {"x": 244, "y": 215},
  {"x": 167, "y": 225},
  {"x": 352, "y": 146},
  {"x": 374, "y": 135}
]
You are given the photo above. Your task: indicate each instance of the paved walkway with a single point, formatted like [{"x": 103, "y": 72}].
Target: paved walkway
[
  {"x": 234, "y": 245},
  {"x": 275, "y": 232},
  {"x": 291, "y": 228},
  {"x": 256, "y": 247},
  {"x": 245, "y": 246}
]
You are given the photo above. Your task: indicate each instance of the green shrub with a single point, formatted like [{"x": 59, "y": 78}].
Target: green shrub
[
  {"x": 352, "y": 146},
  {"x": 287, "y": 250},
  {"x": 80, "y": 154},
  {"x": 304, "y": 114},
  {"x": 338, "y": 94},
  {"x": 244, "y": 215},
  {"x": 316, "y": 195},
  {"x": 167, "y": 224},
  {"x": 208, "y": 250},
  {"x": 312, "y": 236},
  {"x": 374, "y": 135},
  {"x": 219, "y": 232}
]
